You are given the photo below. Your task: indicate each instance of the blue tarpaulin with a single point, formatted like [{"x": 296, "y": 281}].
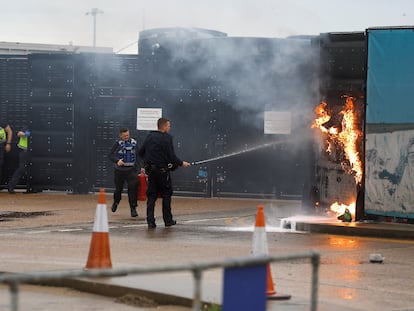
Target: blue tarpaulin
[
  {"x": 390, "y": 84},
  {"x": 389, "y": 156}
]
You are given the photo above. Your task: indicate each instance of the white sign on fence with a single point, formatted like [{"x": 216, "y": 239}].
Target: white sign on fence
[
  {"x": 277, "y": 122},
  {"x": 147, "y": 118}
]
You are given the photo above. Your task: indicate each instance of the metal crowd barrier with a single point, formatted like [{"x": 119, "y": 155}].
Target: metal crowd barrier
[{"x": 14, "y": 280}]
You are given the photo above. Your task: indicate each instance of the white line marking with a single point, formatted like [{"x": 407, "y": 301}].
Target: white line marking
[{"x": 70, "y": 230}]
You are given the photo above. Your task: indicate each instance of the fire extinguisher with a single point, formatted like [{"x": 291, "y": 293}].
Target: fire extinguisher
[{"x": 142, "y": 189}]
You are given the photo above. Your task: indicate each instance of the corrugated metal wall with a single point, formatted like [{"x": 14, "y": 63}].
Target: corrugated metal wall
[
  {"x": 14, "y": 98},
  {"x": 76, "y": 103},
  {"x": 52, "y": 122}
]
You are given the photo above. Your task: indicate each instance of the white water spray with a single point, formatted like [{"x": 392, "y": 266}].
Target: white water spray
[{"x": 240, "y": 152}]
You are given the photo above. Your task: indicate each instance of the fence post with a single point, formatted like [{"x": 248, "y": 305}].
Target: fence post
[
  {"x": 315, "y": 280},
  {"x": 14, "y": 293},
  {"x": 197, "y": 289}
]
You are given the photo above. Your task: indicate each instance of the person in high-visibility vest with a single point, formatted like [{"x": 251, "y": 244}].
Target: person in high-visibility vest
[
  {"x": 346, "y": 216},
  {"x": 22, "y": 146},
  {"x": 6, "y": 135},
  {"x": 123, "y": 154}
]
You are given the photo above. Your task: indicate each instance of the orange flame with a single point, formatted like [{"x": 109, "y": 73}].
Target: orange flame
[
  {"x": 339, "y": 208},
  {"x": 348, "y": 137},
  {"x": 322, "y": 118}
]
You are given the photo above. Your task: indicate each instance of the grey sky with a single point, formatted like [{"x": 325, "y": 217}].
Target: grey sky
[{"x": 61, "y": 22}]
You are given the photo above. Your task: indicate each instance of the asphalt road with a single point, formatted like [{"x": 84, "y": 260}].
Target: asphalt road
[{"x": 52, "y": 231}]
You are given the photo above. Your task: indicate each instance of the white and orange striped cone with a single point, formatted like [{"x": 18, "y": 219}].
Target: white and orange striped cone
[
  {"x": 260, "y": 248},
  {"x": 99, "y": 252}
]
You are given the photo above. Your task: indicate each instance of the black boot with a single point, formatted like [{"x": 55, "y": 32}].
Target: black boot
[
  {"x": 134, "y": 211},
  {"x": 170, "y": 223},
  {"x": 114, "y": 207}
]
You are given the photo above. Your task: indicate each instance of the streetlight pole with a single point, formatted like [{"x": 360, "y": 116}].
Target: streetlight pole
[{"x": 94, "y": 12}]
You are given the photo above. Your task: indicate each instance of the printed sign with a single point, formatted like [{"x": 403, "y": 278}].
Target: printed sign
[
  {"x": 277, "y": 122},
  {"x": 147, "y": 118}
]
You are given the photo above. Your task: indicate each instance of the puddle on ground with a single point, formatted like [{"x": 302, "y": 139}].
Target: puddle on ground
[{"x": 9, "y": 216}]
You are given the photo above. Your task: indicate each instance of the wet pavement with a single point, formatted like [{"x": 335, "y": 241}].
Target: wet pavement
[{"x": 51, "y": 231}]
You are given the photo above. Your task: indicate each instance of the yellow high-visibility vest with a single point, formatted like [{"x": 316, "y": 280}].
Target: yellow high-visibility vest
[
  {"x": 2, "y": 135},
  {"x": 23, "y": 142}
]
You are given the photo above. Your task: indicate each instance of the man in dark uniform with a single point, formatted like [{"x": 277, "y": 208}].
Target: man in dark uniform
[
  {"x": 123, "y": 155},
  {"x": 6, "y": 136},
  {"x": 159, "y": 158}
]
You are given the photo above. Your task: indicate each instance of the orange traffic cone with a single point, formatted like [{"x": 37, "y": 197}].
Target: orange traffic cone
[
  {"x": 260, "y": 248},
  {"x": 99, "y": 253}
]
